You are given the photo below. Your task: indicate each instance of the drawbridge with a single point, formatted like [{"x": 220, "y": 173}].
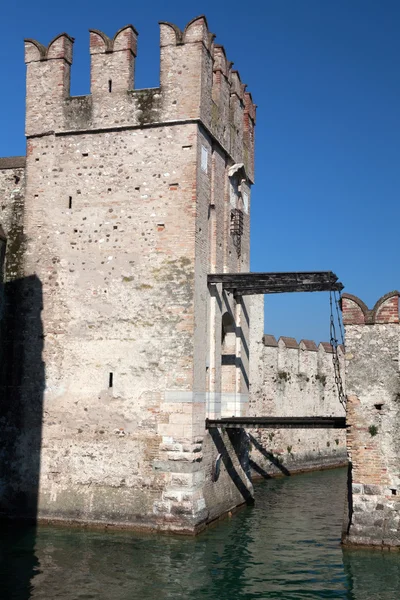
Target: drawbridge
[{"x": 244, "y": 284}]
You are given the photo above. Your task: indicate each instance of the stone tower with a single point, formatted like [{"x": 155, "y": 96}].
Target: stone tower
[{"x": 131, "y": 198}]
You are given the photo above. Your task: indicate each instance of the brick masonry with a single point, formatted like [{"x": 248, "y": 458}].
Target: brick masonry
[
  {"x": 112, "y": 341},
  {"x": 373, "y": 416},
  {"x": 288, "y": 378}
]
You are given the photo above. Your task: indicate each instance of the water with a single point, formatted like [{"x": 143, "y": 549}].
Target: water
[{"x": 286, "y": 546}]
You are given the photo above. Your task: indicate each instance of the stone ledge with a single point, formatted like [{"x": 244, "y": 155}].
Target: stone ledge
[{"x": 12, "y": 162}]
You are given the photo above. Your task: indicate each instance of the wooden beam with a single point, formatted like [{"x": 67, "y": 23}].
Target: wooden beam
[
  {"x": 278, "y": 422},
  {"x": 276, "y": 283}
]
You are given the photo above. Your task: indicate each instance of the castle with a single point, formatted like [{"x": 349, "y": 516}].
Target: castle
[{"x": 114, "y": 349}]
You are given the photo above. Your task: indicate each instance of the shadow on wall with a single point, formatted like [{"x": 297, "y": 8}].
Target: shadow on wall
[
  {"x": 269, "y": 456},
  {"x": 22, "y": 382},
  {"x": 242, "y": 452}
]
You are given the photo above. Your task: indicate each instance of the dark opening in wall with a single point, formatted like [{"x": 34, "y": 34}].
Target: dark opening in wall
[
  {"x": 85, "y": 153},
  {"x": 394, "y": 492},
  {"x": 110, "y": 85},
  {"x": 16, "y": 179},
  {"x": 110, "y": 380},
  {"x": 70, "y": 202}
]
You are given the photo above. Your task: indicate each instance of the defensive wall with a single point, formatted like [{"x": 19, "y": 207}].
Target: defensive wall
[
  {"x": 373, "y": 418},
  {"x": 112, "y": 345},
  {"x": 288, "y": 378}
]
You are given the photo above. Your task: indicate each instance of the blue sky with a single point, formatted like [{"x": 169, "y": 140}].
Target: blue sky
[{"x": 326, "y": 78}]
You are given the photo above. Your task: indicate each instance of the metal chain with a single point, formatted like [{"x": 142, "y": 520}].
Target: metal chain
[
  {"x": 338, "y": 301},
  {"x": 335, "y": 344}
]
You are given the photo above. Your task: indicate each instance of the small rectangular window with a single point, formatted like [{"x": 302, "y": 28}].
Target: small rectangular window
[
  {"x": 110, "y": 380},
  {"x": 70, "y": 202},
  {"x": 233, "y": 192},
  {"x": 245, "y": 197},
  {"x": 204, "y": 159}
]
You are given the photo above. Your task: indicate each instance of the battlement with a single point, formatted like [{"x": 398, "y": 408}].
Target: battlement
[
  {"x": 304, "y": 345},
  {"x": 60, "y": 47},
  {"x": 385, "y": 311},
  {"x": 195, "y": 31},
  {"x": 12, "y": 162},
  {"x": 197, "y": 84}
]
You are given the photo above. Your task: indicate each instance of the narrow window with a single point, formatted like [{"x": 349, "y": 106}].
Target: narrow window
[
  {"x": 110, "y": 380},
  {"x": 110, "y": 85},
  {"x": 245, "y": 197},
  {"x": 204, "y": 159},
  {"x": 70, "y": 202}
]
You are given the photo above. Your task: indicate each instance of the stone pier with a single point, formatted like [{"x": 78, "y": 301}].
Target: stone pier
[{"x": 373, "y": 418}]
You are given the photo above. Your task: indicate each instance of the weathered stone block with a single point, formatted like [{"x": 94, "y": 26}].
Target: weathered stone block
[{"x": 372, "y": 489}]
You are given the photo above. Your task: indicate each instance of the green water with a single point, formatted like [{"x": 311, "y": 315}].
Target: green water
[{"x": 286, "y": 546}]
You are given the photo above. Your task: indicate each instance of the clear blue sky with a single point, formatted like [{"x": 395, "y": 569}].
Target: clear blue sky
[{"x": 326, "y": 78}]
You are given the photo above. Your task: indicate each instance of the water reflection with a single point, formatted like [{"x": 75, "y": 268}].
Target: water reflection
[
  {"x": 372, "y": 574},
  {"x": 286, "y": 546}
]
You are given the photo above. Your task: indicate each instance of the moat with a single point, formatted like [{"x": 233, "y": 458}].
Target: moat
[{"x": 286, "y": 546}]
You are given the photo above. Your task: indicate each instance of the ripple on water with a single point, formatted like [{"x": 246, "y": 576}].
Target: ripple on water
[{"x": 286, "y": 546}]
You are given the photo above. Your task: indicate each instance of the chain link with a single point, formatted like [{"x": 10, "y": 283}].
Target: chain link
[{"x": 334, "y": 343}]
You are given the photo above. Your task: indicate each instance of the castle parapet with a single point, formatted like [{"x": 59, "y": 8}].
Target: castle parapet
[
  {"x": 355, "y": 312},
  {"x": 113, "y": 60},
  {"x": 186, "y": 69},
  {"x": 197, "y": 84},
  {"x": 47, "y": 82}
]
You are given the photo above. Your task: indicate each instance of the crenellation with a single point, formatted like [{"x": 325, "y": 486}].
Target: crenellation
[
  {"x": 60, "y": 47},
  {"x": 237, "y": 87},
  {"x": 195, "y": 31},
  {"x": 248, "y": 134},
  {"x": 288, "y": 342},
  {"x": 309, "y": 345},
  {"x": 196, "y": 83},
  {"x": 221, "y": 64},
  {"x": 112, "y": 66},
  {"x": 47, "y": 83}
]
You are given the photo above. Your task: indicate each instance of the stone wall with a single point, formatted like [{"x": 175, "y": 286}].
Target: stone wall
[
  {"x": 292, "y": 379},
  {"x": 373, "y": 418},
  {"x": 115, "y": 361},
  {"x": 12, "y": 198}
]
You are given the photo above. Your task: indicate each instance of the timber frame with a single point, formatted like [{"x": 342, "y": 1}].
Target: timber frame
[
  {"x": 242, "y": 284},
  {"x": 245, "y": 284},
  {"x": 278, "y": 422}
]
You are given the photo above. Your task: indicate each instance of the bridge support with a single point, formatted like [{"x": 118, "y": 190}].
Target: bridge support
[{"x": 373, "y": 421}]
